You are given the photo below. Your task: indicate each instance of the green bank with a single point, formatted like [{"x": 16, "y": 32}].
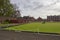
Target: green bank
[{"x": 49, "y": 27}]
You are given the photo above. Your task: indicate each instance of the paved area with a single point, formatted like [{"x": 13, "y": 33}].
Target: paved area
[
  {"x": 8, "y": 25},
  {"x": 11, "y": 35}
]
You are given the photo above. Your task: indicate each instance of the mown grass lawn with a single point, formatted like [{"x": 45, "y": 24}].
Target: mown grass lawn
[
  {"x": 3, "y": 24},
  {"x": 50, "y": 27}
]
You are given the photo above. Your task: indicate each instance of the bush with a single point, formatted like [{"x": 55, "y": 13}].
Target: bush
[{"x": 6, "y": 22}]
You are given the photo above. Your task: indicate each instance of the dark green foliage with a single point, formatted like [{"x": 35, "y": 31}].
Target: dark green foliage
[
  {"x": 6, "y": 8},
  {"x": 43, "y": 22},
  {"x": 6, "y": 21}
]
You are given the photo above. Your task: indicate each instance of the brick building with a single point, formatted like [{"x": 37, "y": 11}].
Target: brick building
[
  {"x": 53, "y": 18},
  {"x": 29, "y": 19},
  {"x": 2, "y": 19},
  {"x": 39, "y": 19},
  {"x": 25, "y": 19}
]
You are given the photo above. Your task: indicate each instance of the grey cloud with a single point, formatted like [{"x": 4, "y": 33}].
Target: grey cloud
[
  {"x": 34, "y": 4},
  {"x": 37, "y": 5}
]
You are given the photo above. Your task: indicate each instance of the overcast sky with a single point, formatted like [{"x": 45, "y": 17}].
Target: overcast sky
[{"x": 38, "y": 8}]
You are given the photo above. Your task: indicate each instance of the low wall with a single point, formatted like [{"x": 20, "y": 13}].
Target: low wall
[{"x": 11, "y": 35}]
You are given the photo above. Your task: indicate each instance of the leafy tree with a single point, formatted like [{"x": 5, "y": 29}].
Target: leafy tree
[{"x": 6, "y": 8}]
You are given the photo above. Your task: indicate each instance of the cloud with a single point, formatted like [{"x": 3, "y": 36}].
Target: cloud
[{"x": 38, "y": 8}]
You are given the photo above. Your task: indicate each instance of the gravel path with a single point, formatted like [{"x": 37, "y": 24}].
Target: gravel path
[{"x": 11, "y": 35}]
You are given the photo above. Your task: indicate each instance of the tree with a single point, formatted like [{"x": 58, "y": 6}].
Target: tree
[
  {"x": 6, "y": 8},
  {"x": 16, "y": 11}
]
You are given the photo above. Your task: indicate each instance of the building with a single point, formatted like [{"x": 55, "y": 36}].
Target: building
[
  {"x": 53, "y": 18},
  {"x": 3, "y": 19},
  {"x": 39, "y": 19},
  {"x": 29, "y": 19},
  {"x": 25, "y": 19}
]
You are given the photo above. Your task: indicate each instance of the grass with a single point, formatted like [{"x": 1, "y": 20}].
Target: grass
[
  {"x": 50, "y": 27},
  {"x": 3, "y": 24}
]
